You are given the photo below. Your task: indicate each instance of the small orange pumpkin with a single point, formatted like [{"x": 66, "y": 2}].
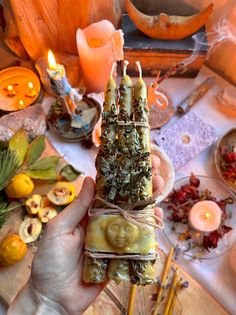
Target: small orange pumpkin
[{"x": 12, "y": 250}]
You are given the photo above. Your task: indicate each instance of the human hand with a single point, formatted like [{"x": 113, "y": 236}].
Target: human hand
[{"x": 57, "y": 267}]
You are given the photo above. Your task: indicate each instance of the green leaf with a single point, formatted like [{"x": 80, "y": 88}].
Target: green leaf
[
  {"x": 48, "y": 174},
  {"x": 8, "y": 166},
  {"x": 3, "y": 208},
  {"x": 45, "y": 163},
  {"x": 36, "y": 148},
  {"x": 69, "y": 173},
  {"x": 19, "y": 143}
]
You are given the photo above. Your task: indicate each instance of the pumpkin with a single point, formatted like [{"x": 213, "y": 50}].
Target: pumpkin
[{"x": 12, "y": 250}]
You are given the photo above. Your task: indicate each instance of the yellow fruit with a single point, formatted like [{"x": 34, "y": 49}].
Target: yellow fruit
[
  {"x": 20, "y": 186},
  {"x": 30, "y": 229},
  {"x": 62, "y": 193},
  {"x": 12, "y": 250},
  {"x": 33, "y": 204},
  {"x": 46, "y": 214}
]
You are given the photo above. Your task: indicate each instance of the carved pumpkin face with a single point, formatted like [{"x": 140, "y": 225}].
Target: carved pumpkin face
[{"x": 120, "y": 233}]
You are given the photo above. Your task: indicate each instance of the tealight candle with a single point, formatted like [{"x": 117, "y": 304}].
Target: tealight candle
[
  {"x": 10, "y": 91},
  {"x": 31, "y": 91},
  {"x": 205, "y": 216}
]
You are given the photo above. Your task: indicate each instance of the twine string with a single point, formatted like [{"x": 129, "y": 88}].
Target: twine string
[
  {"x": 133, "y": 123},
  {"x": 136, "y": 217}
]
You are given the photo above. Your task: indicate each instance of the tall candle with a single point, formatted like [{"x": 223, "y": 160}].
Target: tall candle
[
  {"x": 99, "y": 46},
  {"x": 57, "y": 76},
  {"x": 61, "y": 86},
  {"x": 205, "y": 216}
]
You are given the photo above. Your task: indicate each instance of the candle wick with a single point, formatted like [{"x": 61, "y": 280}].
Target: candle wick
[
  {"x": 112, "y": 69},
  {"x": 125, "y": 67},
  {"x": 207, "y": 215},
  {"x": 139, "y": 69}
]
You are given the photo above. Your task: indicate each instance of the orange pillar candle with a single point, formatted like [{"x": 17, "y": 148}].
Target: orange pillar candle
[
  {"x": 205, "y": 216},
  {"x": 99, "y": 46}
]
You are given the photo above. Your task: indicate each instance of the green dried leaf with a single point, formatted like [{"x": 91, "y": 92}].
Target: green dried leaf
[
  {"x": 8, "y": 166},
  {"x": 19, "y": 143},
  {"x": 48, "y": 174},
  {"x": 3, "y": 208},
  {"x": 70, "y": 173},
  {"x": 45, "y": 163},
  {"x": 36, "y": 148}
]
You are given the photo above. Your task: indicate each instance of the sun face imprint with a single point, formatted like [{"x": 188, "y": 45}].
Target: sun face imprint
[{"x": 120, "y": 233}]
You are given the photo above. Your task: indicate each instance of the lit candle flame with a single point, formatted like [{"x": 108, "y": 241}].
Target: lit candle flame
[
  {"x": 30, "y": 85},
  {"x": 10, "y": 91},
  {"x": 52, "y": 61},
  {"x": 21, "y": 103},
  {"x": 207, "y": 215}
]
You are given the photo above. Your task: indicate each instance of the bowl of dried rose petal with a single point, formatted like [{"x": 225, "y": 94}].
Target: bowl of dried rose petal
[
  {"x": 200, "y": 217},
  {"x": 225, "y": 158}
]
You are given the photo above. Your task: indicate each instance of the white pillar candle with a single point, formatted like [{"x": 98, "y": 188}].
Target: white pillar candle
[{"x": 205, "y": 216}]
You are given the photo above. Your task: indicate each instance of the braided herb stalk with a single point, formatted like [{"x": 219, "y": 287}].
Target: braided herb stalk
[
  {"x": 95, "y": 268},
  {"x": 142, "y": 271},
  {"x": 118, "y": 269},
  {"x": 116, "y": 243}
]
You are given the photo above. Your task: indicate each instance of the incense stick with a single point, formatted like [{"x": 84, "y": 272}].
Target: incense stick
[
  {"x": 171, "y": 293},
  {"x": 163, "y": 278}
]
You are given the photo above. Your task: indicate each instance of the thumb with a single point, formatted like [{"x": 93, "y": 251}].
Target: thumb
[{"x": 67, "y": 220}]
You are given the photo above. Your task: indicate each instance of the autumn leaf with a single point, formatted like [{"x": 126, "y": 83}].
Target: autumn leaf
[
  {"x": 36, "y": 148},
  {"x": 19, "y": 143},
  {"x": 69, "y": 173}
]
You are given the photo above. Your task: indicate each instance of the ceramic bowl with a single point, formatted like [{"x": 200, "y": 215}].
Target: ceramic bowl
[{"x": 228, "y": 139}]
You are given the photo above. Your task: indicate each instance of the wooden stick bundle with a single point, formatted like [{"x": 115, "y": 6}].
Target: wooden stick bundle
[{"x": 115, "y": 247}]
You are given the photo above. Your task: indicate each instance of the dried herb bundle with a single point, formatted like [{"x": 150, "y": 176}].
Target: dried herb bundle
[{"x": 123, "y": 178}]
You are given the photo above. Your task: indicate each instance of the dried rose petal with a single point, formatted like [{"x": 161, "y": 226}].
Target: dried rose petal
[
  {"x": 211, "y": 240},
  {"x": 194, "y": 181},
  {"x": 223, "y": 230}
]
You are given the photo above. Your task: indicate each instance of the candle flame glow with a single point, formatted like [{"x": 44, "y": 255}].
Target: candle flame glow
[
  {"x": 52, "y": 61},
  {"x": 30, "y": 85},
  {"x": 207, "y": 215},
  {"x": 21, "y": 103},
  {"x": 10, "y": 88}
]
